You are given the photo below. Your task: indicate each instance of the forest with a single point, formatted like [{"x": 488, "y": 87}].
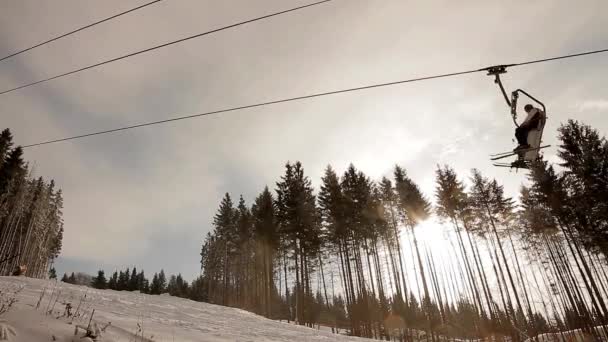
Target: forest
[
  {"x": 31, "y": 225},
  {"x": 349, "y": 256}
]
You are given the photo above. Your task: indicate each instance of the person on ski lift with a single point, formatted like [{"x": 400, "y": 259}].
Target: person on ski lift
[{"x": 530, "y": 123}]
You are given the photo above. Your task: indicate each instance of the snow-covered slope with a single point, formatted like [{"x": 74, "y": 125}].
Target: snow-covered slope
[
  {"x": 573, "y": 335},
  {"x": 162, "y": 318}
]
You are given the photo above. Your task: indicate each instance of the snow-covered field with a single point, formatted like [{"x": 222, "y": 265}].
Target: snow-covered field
[
  {"x": 157, "y": 318},
  {"x": 162, "y": 318}
]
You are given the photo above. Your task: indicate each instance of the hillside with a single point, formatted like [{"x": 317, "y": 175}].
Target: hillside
[{"x": 163, "y": 318}]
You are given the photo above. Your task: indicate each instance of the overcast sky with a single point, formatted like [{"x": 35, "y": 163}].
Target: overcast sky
[{"x": 146, "y": 197}]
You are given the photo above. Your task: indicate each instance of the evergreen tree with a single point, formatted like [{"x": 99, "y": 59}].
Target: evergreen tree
[
  {"x": 585, "y": 158},
  {"x": 100, "y": 281},
  {"x": 183, "y": 289},
  {"x": 6, "y": 143},
  {"x": 162, "y": 282},
  {"x": 12, "y": 169},
  {"x": 266, "y": 245},
  {"x": 244, "y": 232},
  {"x": 331, "y": 205},
  {"x": 145, "y": 286},
  {"x": 113, "y": 282},
  {"x": 142, "y": 282},
  {"x": 220, "y": 265},
  {"x": 493, "y": 214},
  {"x": 133, "y": 280},
  {"x": 52, "y": 273},
  {"x": 414, "y": 208},
  {"x": 155, "y": 287},
  {"x": 127, "y": 279},
  {"x": 65, "y": 278},
  {"x": 298, "y": 222},
  {"x": 72, "y": 279},
  {"x": 172, "y": 285},
  {"x": 121, "y": 283},
  {"x": 453, "y": 204}
]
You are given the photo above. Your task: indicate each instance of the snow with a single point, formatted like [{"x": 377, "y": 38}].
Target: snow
[
  {"x": 162, "y": 318},
  {"x": 158, "y": 318},
  {"x": 572, "y": 335}
]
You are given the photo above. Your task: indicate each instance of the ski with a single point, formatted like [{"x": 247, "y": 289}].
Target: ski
[{"x": 513, "y": 153}]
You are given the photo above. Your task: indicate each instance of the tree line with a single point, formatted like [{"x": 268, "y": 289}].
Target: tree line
[
  {"x": 132, "y": 280},
  {"x": 350, "y": 257},
  {"x": 31, "y": 224}
]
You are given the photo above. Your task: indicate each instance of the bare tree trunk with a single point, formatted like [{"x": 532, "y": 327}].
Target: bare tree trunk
[{"x": 286, "y": 287}]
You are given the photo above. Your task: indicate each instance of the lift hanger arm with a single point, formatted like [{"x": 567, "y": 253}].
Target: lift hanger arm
[{"x": 496, "y": 71}]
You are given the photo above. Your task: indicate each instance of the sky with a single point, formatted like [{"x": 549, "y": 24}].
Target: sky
[{"x": 146, "y": 197}]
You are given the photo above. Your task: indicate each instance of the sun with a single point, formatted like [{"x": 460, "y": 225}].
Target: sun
[
  {"x": 435, "y": 241},
  {"x": 432, "y": 232}
]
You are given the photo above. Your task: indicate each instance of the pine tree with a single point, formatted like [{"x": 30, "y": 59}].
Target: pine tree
[
  {"x": 162, "y": 282},
  {"x": 243, "y": 269},
  {"x": 266, "y": 245},
  {"x": 12, "y": 169},
  {"x": 297, "y": 215},
  {"x": 155, "y": 287},
  {"x": 183, "y": 289},
  {"x": 414, "y": 208},
  {"x": 113, "y": 281},
  {"x": 65, "y": 278},
  {"x": 493, "y": 211},
  {"x": 133, "y": 280},
  {"x": 100, "y": 281},
  {"x": 392, "y": 239},
  {"x": 52, "y": 273},
  {"x": 357, "y": 190},
  {"x": 172, "y": 285},
  {"x": 72, "y": 279},
  {"x": 126, "y": 279},
  {"x": 145, "y": 286},
  {"x": 121, "y": 283},
  {"x": 454, "y": 205},
  {"x": 585, "y": 158},
  {"x": 6, "y": 143},
  {"x": 219, "y": 267},
  {"x": 142, "y": 282}
]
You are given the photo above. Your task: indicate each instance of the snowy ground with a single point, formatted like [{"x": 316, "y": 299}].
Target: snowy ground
[
  {"x": 573, "y": 336},
  {"x": 163, "y": 318}
]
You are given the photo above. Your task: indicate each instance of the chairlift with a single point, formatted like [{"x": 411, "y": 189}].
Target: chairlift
[{"x": 526, "y": 156}]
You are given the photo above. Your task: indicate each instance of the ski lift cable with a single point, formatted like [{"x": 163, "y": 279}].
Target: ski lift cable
[
  {"x": 304, "y": 97},
  {"x": 261, "y": 104},
  {"x": 79, "y": 29},
  {"x": 181, "y": 40},
  {"x": 561, "y": 57}
]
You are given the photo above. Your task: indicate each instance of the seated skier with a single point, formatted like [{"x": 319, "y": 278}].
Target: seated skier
[{"x": 530, "y": 123}]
